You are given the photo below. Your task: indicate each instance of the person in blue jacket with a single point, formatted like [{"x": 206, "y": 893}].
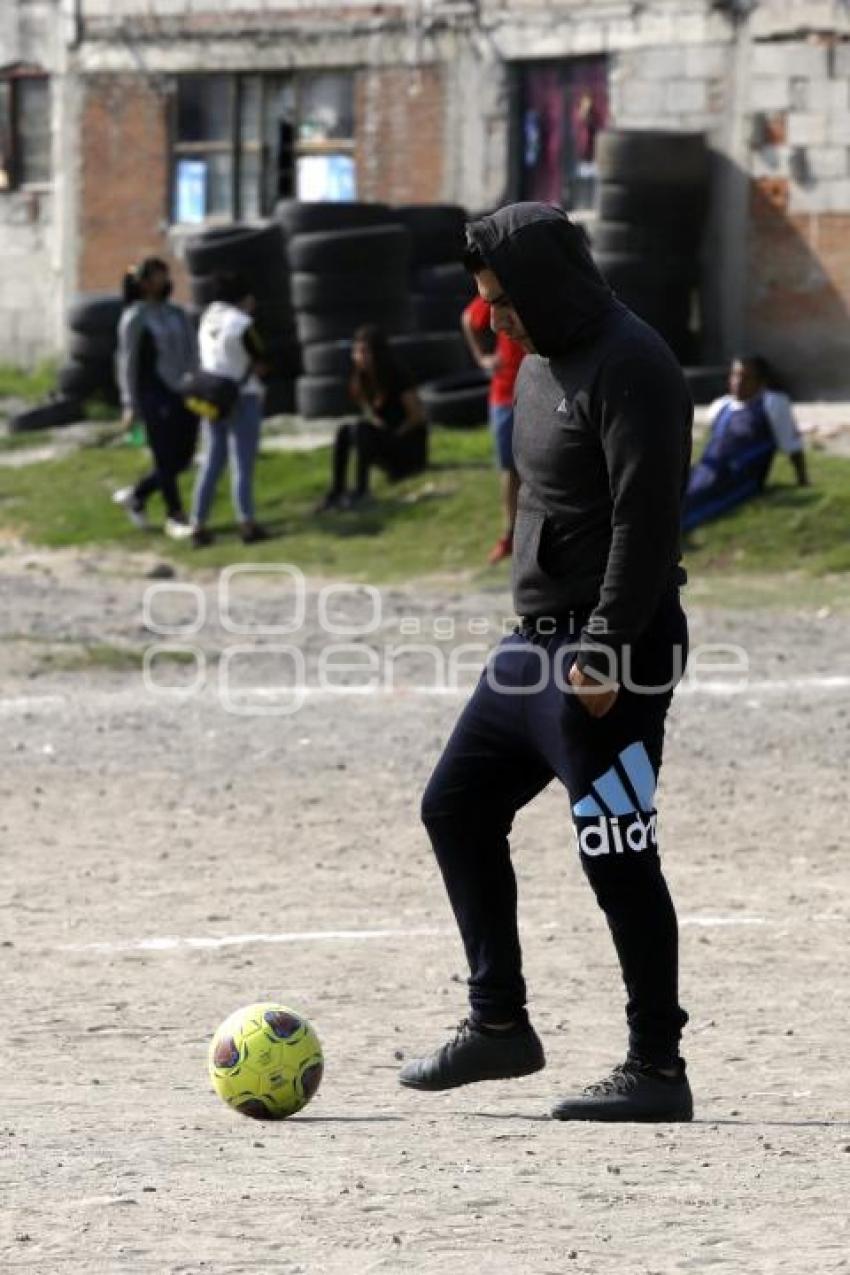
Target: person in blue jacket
[{"x": 748, "y": 426}]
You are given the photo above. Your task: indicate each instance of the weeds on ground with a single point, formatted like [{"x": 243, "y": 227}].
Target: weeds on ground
[
  {"x": 29, "y": 384},
  {"x": 440, "y": 522}
]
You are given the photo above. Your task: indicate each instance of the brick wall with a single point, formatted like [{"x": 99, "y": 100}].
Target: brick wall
[
  {"x": 798, "y": 290},
  {"x": 124, "y": 161},
  {"x": 799, "y": 227},
  {"x": 123, "y": 209},
  {"x": 400, "y": 134}
]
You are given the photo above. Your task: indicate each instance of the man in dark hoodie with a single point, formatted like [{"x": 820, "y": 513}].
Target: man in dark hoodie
[{"x": 581, "y": 690}]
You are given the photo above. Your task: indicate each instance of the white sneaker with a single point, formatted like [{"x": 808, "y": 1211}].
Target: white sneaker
[
  {"x": 178, "y": 530},
  {"x": 126, "y": 498}
]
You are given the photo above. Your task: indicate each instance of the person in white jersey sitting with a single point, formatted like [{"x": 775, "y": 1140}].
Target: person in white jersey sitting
[{"x": 748, "y": 426}]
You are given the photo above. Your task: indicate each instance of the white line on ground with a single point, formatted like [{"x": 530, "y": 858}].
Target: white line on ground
[
  {"x": 173, "y": 943},
  {"x": 834, "y": 682},
  {"x": 709, "y": 921},
  {"x": 27, "y": 703}
]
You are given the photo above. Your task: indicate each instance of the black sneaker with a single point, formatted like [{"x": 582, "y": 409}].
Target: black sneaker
[
  {"x": 254, "y": 534},
  {"x": 201, "y": 538},
  {"x": 356, "y": 500},
  {"x": 473, "y": 1055},
  {"x": 328, "y": 503},
  {"x": 633, "y": 1092}
]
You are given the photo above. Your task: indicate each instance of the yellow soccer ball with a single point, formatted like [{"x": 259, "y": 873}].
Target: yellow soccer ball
[{"x": 266, "y": 1061}]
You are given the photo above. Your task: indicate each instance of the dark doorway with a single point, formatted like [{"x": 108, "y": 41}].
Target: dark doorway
[{"x": 562, "y": 107}]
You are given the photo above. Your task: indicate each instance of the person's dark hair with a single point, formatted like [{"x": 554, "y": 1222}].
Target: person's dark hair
[
  {"x": 137, "y": 275},
  {"x": 472, "y": 260},
  {"x": 386, "y": 376},
  {"x": 763, "y": 369},
  {"x": 231, "y": 288}
]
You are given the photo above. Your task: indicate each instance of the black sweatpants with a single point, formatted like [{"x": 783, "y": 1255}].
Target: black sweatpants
[
  {"x": 399, "y": 454},
  {"x": 172, "y": 434},
  {"x": 522, "y": 728}
]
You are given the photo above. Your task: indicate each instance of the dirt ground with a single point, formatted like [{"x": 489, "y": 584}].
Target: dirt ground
[{"x": 166, "y": 861}]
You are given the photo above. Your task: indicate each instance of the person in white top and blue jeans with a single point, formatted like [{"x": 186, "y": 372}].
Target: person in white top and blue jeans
[{"x": 231, "y": 347}]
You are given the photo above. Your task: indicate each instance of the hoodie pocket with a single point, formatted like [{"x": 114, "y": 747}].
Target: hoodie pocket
[{"x": 528, "y": 537}]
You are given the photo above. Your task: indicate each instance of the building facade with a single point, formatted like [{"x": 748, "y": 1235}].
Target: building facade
[{"x": 126, "y": 124}]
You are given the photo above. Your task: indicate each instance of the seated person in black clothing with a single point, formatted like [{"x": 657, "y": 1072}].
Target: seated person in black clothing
[{"x": 391, "y": 432}]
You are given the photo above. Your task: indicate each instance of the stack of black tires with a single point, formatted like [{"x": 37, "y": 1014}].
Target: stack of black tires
[
  {"x": 324, "y": 390},
  {"x": 90, "y": 370},
  {"x": 258, "y": 254},
  {"x": 350, "y": 264},
  {"x": 57, "y": 410},
  {"x": 440, "y": 287},
  {"x": 651, "y": 204}
]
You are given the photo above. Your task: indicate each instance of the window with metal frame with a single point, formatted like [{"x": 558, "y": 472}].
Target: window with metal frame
[
  {"x": 242, "y": 142},
  {"x": 25, "y": 133}
]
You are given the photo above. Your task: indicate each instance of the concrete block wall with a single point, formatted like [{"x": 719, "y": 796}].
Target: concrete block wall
[
  {"x": 122, "y": 10},
  {"x": 800, "y": 120},
  {"x": 777, "y": 113},
  {"x": 31, "y": 241},
  {"x": 679, "y": 87},
  {"x": 28, "y": 322},
  {"x": 691, "y": 87}
]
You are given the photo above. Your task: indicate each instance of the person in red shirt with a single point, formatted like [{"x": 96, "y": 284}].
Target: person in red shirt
[{"x": 503, "y": 366}]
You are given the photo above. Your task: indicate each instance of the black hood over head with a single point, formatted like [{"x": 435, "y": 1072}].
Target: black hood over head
[{"x": 543, "y": 262}]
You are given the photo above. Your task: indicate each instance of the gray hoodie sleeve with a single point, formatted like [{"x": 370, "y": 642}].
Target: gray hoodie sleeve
[
  {"x": 644, "y": 412},
  {"x": 130, "y": 331}
]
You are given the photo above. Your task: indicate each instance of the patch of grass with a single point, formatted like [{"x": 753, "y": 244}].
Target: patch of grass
[
  {"x": 25, "y": 442},
  {"x": 31, "y": 384},
  {"x": 440, "y": 522},
  {"x": 102, "y": 431},
  {"x": 80, "y": 658},
  {"x": 786, "y": 528},
  {"x": 96, "y": 656},
  {"x": 98, "y": 410},
  {"x": 75, "y": 655}
]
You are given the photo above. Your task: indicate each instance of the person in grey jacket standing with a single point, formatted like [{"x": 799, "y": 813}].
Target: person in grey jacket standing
[
  {"x": 157, "y": 347},
  {"x": 580, "y": 691}
]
